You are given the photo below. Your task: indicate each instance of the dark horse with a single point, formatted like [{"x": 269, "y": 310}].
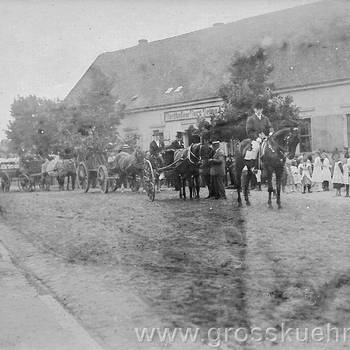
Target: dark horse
[
  {"x": 188, "y": 162},
  {"x": 274, "y": 151}
]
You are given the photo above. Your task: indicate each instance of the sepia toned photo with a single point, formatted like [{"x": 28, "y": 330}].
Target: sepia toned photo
[{"x": 174, "y": 174}]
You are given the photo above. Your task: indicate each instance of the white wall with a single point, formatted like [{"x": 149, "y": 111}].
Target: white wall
[{"x": 327, "y": 107}]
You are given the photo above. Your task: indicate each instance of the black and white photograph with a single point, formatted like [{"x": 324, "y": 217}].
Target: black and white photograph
[{"x": 174, "y": 174}]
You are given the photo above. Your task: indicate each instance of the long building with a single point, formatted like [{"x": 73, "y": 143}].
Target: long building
[{"x": 167, "y": 84}]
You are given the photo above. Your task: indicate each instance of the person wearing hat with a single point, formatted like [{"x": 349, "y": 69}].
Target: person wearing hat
[
  {"x": 156, "y": 146},
  {"x": 258, "y": 126},
  {"x": 204, "y": 170},
  {"x": 155, "y": 149},
  {"x": 217, "y": 171},
  {"x": 177, "y": 143}
]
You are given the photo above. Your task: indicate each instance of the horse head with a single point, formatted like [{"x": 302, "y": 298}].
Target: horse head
[{"x": 287, "y": 139}]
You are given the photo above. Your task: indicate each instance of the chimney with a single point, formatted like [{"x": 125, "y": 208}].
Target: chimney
[
  {"x": 143, "y": 41},
  {"x": 217, "y": 24}
]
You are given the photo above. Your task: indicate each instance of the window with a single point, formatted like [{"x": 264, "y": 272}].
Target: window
[{"x": 305, "y": 135}]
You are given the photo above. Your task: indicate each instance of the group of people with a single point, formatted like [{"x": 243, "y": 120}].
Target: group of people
[
  {"x": 212, "y": 169},
  {"x": 304, "y": 173},
  {"x": 317, "y": 172}
]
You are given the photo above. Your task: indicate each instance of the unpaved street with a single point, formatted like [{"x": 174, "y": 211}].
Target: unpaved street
[{"x": 118, "y": 261}]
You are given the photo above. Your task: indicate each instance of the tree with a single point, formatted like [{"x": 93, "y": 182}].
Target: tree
[
  {"x": 92, "y": 121},
  {"x": 249, "y": 82},
  {"x": 33, "y": 127},
  {"x": 42, "y": 126}
]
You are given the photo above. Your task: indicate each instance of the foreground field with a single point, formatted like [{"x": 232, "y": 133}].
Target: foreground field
[{"x": 118, "y": 261}]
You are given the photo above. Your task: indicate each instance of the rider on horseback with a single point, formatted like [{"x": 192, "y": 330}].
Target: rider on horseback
[{"x": 258, "y": 127}]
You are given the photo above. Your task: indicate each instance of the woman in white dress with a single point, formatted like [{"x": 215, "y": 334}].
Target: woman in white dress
[
  {"x": 326, "y": 172},
  {"x": 317, "y": 173}
]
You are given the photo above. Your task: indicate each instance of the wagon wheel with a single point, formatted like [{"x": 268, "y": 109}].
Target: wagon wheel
[
  {"x": 83, "y": 177},
  {"x": 24, "y": 183},
  {"x": 149, "y": 180},
  {"x": 102, "y": 178},
  {"x": 5, "y": 182}
]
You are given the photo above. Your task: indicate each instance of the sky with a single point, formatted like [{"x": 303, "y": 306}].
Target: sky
[{"x": 47, "y": 45}]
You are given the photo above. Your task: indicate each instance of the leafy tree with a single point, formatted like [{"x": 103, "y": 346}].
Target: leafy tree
[
  {"x": 42, "y": 126},
  {"x": 248, "y": 83},
  {"x": 93, "y": 120},
  {"x": 33, "y": 126}
]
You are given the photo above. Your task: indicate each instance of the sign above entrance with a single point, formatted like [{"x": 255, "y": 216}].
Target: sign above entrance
[{"x": 194, "y": 113}]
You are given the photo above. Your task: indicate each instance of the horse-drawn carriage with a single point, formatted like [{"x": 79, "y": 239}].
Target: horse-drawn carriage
[
  {"x": 180, "y": 166},
  {"x": 27, "y": 170},
  {"x": 96, "y": 169}
]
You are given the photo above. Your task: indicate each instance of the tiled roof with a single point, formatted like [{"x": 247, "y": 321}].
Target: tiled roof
[{"x": 309, "y": 44}]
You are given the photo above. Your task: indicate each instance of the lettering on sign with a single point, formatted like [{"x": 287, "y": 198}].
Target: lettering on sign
[{"x": 191, "y": 113}]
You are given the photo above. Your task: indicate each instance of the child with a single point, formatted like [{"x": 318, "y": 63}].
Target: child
[
  {"x": 290, "y": 185},
  {"x": 305, "y": 172},
  {"x": 317, "y": 173},
  {"x": 346, "y": 168},
  {"x": 337, "y": 178},
  {"x": 326, "y": 172},
  {"x": 296, "y": 175}
]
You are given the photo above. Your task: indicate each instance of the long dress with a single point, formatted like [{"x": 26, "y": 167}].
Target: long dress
[
  {"x": 296, "y": 175},
  {"x": 317, "y": 174},
  {"x": 337, "y": 178},
  {"x": 326, "y": 172},
  {"x": 305, "y": 172}
]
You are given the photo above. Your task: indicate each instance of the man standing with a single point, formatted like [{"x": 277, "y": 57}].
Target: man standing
[
  {"x": 204, "y": 170},
  {"x": 258, "y": 127},
  {"x": 217, "y": 171},
  {"x": 156, "y": 147},
  {"x": 177, "y": 143}
]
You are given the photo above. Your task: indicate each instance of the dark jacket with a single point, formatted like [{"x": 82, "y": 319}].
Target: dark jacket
[
  {"x": 255, "y": 126},
  {"x": 217, "y": 167},
  {"x": 154, "y": 149},
  {"x": 175, "y": 145}
]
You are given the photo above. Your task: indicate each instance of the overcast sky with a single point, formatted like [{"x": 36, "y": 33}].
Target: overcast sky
[{"x": 46, "y": 46}]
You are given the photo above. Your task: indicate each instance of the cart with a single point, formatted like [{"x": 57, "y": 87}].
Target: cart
[
  {"x": 26, "y": 170},
  {"x": 94, "y": 170}
]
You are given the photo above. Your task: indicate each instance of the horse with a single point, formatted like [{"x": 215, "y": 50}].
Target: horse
[
  {"x": 5, "y": 182},
  {"x": 66, "y": 168},
  {"x": 188, "y": 162},
  {"x": 48, "y": 169},
  {"x": 128, "y": 167},
  {"x": 273, "y": 157}
]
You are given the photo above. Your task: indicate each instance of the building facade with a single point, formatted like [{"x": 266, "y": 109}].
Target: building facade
[{"x": 167, "y": 85}]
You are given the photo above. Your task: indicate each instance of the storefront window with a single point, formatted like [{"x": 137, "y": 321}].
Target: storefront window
[{"x": 305, "y": 135}]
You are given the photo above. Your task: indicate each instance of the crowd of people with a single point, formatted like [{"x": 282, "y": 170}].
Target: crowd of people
[
  {"x": 306, "y": 173},
  {"x": 317, "y": 172}
]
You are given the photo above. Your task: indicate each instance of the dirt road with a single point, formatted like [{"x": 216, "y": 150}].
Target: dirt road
[{"x": 117, "y": 261}]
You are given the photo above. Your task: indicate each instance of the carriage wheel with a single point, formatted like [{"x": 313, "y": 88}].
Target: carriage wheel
[
  {"x": 6, "y": 182},
  {"x": 102, "y": 178},
  {"x": 149, "y": 180},
  {"x": 24, "y": 183},
  {"x": 83, "y": 177}
]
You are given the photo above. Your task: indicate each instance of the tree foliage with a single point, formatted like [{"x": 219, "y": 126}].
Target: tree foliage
[
  {"x": 43, "y": 126},
  {"x": 249, "y": 83}
]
